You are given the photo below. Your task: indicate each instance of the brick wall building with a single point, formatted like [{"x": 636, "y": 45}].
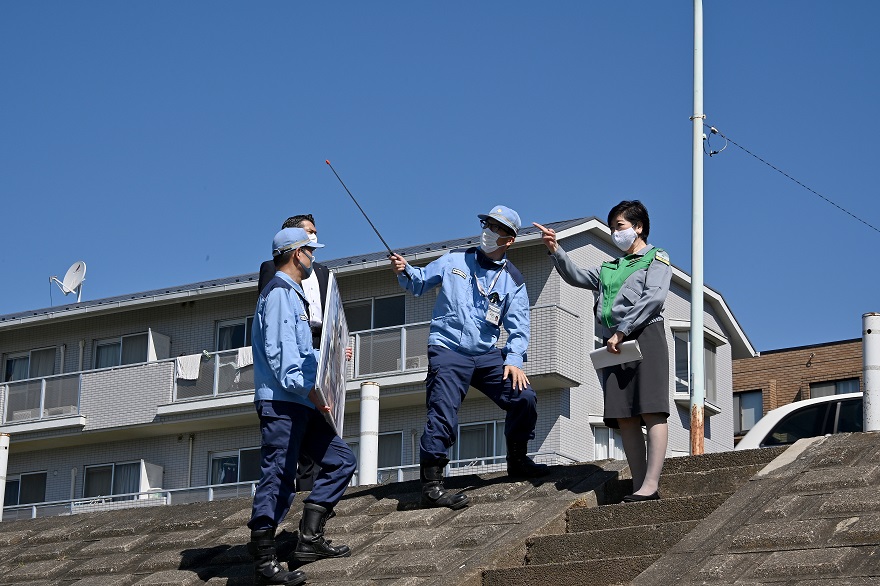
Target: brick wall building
[{"x": 778, "y": 377}]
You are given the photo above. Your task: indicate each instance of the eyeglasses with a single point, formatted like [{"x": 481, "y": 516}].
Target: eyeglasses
[{"x": 499, "y": 229}]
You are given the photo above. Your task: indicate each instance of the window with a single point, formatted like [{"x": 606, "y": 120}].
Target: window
[
  {"x": 811, "y": 421},
  {"x": 390, "y": 453},
  {"x": 748, "y": 408},
  {"x": 109, "y": 479},
  {"x": 682, "y": 365},
  {"x": 234, "y": 334},
  {"x": 835, "y": 387},
  {"x": 608, "y": 443},
  {"x": 480, "y": 440},
  {"x": 130, "y": 349},
  {"x": 851, "y": 415},
  {"x": 235, "y": 466},
  {"x": 25, "y": 489},
  {"x": 33, "y": 364},
  {"x": 380, "y": 312},
  {"x": 390, "y": 449}
]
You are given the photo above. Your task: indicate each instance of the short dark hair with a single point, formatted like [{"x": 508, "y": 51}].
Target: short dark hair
[
  {"x": 295, "y": 221},
  {"x": 283, "y": 258},
  {"x": 634, "y": 213}
]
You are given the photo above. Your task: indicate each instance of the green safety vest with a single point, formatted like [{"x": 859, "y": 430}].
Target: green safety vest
[{"x": 614, "y": 273}]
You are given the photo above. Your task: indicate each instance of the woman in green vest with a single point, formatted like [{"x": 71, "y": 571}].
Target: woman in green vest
[{"x": 631, "y": 292}]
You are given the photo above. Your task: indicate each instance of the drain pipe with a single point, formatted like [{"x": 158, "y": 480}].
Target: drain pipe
[
  {"x": 4, "y": 460},
  {"x": 871, "y": 370},
  {"x": 189, "y": 462},
  {"x": 368, "y": 462}
]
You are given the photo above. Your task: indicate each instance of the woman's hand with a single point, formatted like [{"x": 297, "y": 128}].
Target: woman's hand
[
  {"x": 548, "y": 235},
  {"x": 614, "y": 341}
]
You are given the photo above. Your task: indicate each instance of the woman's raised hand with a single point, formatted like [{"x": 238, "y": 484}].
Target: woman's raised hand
[{"x": 548, "y": 235}]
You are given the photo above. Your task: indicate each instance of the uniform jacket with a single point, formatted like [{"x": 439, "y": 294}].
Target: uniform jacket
[
  {"x": 641, "y": 297},
  {"x": 459, "y": 319},
  {"x": 285, "y": 363},
  {"x": 322, "y": 273}
]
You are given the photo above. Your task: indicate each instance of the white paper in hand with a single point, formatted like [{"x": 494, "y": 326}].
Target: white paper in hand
[{"x": 629, "y": 352}]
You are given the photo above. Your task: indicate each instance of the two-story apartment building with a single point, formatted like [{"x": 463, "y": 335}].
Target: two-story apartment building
[{"x": 152, "y": 390}]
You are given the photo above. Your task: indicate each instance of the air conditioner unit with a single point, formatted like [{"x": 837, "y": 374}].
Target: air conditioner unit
[
  {"x": 65, "y": 410},
  {"x": 26, "y": 414},
  {"x": 416, "y": 362}
]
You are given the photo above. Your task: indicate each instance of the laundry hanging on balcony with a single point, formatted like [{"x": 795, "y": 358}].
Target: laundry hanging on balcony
[{"x": 188, "y": 366}]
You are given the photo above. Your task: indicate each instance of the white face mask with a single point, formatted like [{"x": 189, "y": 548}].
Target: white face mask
[
  {"x": 623, "y": 239},
  {"x": 313, "y": 237},
  {"x": 489, "y": 241}
]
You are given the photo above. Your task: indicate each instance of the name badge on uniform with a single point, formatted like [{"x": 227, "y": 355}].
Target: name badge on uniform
[{"x": 493, "y": 314}]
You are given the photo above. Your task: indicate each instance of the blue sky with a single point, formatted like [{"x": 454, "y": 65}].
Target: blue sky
[{"x": 164, "y": 142}]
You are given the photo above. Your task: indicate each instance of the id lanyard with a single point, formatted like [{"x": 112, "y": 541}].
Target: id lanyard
[{"x": 493, "y": 314}]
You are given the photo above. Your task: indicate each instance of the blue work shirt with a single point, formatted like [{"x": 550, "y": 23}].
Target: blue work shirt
[
  {"x": 459, "y": 319},
  {"x": 285, "y": 362}
]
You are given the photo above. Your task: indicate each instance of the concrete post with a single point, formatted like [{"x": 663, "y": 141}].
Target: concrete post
[
  {"x": 871, "y": 369},
  {"x": 4, "y": 460},
  {"x": 368, "y": 461}
]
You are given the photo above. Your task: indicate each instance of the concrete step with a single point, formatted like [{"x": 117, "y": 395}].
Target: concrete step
[
  {"x": 712, "y": 460},
  {"x": 666, "y": 510},
  {"x": 709, "y": 481},
  {"x": 606, "y": 543},
  {"x": 607, "y": 572}
]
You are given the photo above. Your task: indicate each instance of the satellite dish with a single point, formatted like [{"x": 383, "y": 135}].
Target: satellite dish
[{"x": 73, "y": 280}]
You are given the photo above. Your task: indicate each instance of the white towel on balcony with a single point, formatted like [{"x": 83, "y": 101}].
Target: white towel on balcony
[
  {"x": 245, "y": 357},
  {"x": 188, "y": 366}
]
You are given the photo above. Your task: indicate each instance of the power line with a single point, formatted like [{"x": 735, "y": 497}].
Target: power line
[{"x": 714, "y": 130}]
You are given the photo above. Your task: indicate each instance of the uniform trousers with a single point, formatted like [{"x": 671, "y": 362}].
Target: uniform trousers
[
  {"x": 449, "y": 376},
  {"x": 286, "y": 430}
]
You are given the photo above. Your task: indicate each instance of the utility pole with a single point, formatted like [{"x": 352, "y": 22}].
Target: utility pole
[
  {"x": 871, "y": 370},
  {"x": 697, "y": 378}
]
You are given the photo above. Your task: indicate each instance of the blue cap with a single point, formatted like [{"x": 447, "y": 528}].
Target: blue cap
[
  {"x": 503, "y": 215},
  {"x": 291, "y": 238}
]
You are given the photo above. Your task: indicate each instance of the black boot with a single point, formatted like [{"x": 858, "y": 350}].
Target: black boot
[
  {"x": 520, "y": 465},
  {"x": 312, "y": 545},
  {"x": 433, "y": 493},
  {"x": 267, "y": 568}
]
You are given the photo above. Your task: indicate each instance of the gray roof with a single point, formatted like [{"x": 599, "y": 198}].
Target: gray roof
[{"x": 243, "y": 280}]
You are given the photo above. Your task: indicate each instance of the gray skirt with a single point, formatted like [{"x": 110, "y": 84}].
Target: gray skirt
[{"x": 635, "y": 388}]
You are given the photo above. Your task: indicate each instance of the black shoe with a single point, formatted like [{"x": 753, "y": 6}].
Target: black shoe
[
  {"x": 638, "y": 498},
  {"x": 519, "y": 465},
  {"x": 311, "y": 545},
  {"x": 267, "y": 569},
  {"x": 435, "y": 496},
  {"x": 433, "y": 493}
]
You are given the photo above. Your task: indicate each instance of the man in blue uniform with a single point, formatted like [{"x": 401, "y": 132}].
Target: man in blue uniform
[
  {"x": 480, "y": 290},
  {"x": 285, "y": 366}
]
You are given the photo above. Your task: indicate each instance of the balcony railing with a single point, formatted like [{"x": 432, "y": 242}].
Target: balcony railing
[
  {"x": 391, "y": 350},
  {"x": 151, "y": 498},
  {"x": 481, "y": 465},
  {"x": 402, "y": 349},
  {"x": 220, "y": 373},
  {"x": 42, "y": 398}
]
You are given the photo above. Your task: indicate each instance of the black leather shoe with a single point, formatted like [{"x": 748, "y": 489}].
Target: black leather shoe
[
  {"x": 638, "y": 498},
  {"x": 519, "y": 465},
  {"x": 434, "y": 494}
]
